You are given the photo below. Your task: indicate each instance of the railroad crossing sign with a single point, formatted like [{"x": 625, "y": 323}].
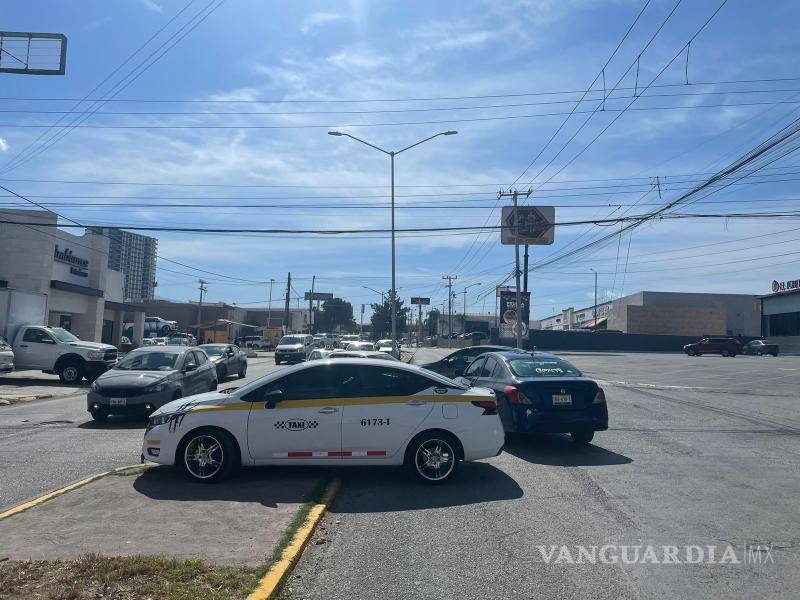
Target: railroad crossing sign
[
  {"x": 535, "y": 225},
  {"x": 420, "y": 301}
]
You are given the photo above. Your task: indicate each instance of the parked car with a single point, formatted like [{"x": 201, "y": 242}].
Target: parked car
[
  {"x": 476, "y": 335},
  {"x": 6, "y": 356},
  {"x": 361, "y": 354},
  {"x": 294, "y": 348},
  {"x": 178, "y": 341},
  {"x": 760, "y": 347},
  {"x": 454, "y": 364},
  {"x": 362, "y": 346},
  {"x": 349, "y": 339},
  {"x": 388, "y": 346},
  {"x": 726, "y": 346},
  {"x": 540, "y": 392},
  {"x": 227, "y": 358},
  {"x": 397, "y": 414},
  {"x": 148, "y": 378},
  {"x": 56, "y": 350},
  {"x": 154, "y": 326},
  {"x": 319, "y": 354}
]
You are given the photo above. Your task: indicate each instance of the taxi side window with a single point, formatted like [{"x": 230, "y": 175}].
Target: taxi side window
[
  {"x": 488, "y": 367},
  {"x": 323, "y": 382},
  {"x": 475, "y": 368},
  {"x": 377, "y": 381}
]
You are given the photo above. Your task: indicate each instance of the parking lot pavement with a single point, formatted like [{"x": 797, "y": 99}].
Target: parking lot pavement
[
  {"x": 237, "y": 523},
  {"x": 35, "y": 384},
  {"x": 678, "y": 467},
  {"x": 49, "y": 443}
]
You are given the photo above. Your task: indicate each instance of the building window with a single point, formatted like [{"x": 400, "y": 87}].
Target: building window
[{"x": 784, "y": 324}]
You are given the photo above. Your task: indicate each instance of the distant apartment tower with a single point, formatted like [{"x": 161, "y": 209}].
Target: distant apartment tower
[{"x": 134, "y": 256}]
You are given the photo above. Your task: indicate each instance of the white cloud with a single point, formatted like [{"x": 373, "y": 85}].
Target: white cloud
[
  {"x": 358, "y": 59},
  {"x": 315, "y": 21},
  {"x": 3, "y": 145},
  {"x": 151, "y": 5}
]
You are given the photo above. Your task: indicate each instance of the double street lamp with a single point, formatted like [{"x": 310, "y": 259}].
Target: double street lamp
[{"x": 392, "y": 154}]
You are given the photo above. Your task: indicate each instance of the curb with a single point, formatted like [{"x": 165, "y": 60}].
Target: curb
[
  {"x": 272, "y": 580},
  {"x": 7, "y": 400},
  {"x": 62, "y": 490}
]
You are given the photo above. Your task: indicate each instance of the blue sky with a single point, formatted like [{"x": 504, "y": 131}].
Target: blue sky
[{"x": 509, "y": 56}]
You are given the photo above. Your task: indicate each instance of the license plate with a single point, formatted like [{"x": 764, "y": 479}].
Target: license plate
[
  {"x": 562, "y": 399},
  {"x": 117, "y": 401}
]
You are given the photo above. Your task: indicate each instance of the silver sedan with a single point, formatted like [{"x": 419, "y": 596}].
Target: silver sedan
[{"x": 228, "y": 359}]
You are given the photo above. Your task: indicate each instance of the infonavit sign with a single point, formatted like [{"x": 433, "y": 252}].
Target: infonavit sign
[{"x": 785, "y": 286}]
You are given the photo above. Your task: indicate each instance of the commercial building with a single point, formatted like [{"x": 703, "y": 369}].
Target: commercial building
[
  {"x": 780, "y": 315},
  {"x": 134, "y": 256},
  {"x": 672, "y": 313},
  {"x": 84, "y": 295}
]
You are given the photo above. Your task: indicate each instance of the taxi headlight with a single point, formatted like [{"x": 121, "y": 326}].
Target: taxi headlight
[
  {"x": 159, "y": 420},
  {"x": 156, "y": 387}
]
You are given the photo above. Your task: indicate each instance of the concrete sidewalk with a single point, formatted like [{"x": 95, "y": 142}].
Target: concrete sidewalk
[
  {"x": 24, "y": 386},
  {"x": 238, "y": 522}
]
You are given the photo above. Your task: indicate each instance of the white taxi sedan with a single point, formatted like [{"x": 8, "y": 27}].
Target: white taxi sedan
[{"x": 342, "y": 412}]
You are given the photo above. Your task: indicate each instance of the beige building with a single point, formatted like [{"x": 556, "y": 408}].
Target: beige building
[{"x": 84, "y": 296}]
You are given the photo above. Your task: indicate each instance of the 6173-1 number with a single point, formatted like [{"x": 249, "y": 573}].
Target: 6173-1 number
[{"x": 374, "y": 422}]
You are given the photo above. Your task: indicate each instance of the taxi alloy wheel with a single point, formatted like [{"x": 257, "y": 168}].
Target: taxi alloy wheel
[
  {"x": 208, "y": 456},
  {"x": 434, "y": 458}
]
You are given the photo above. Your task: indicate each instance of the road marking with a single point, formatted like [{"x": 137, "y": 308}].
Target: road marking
[
  {"x": 277, "y": 573},
  {"x": 62, "y": 490}
]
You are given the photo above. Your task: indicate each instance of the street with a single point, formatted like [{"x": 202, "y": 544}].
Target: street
[
  {"x": 700, "y": 452},
  {"x": 49, "y": 443},
  {"x": 711, "y": 462}
]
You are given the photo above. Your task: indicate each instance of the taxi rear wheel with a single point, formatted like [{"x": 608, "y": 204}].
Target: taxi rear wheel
[
  {"x": 208, "y": 455},
  {"x": 433, "y": 457}
]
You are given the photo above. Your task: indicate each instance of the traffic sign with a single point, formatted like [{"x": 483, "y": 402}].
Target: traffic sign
[
  {"x": 535, "y": 225},
  {"x": 420, "y": 301},
  {"x": 318, "y": 296}
]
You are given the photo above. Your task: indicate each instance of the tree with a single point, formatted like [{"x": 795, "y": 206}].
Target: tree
[
  {"x": 335, "y": 314},
  {"x": 432, "y": 321},
  {"x": 382, "y": 317}
]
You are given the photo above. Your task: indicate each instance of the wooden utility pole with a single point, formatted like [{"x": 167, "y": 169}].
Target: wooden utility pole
[
  {"x": 203, "y": 290},
  {"x": 450, "y": 279},
  {"x": 286, "y": 307}
]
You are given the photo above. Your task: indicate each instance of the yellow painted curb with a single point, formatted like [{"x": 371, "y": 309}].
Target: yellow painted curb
[
  {"x": 63, "y": 490},
  {"x": 271, "y": 582}
]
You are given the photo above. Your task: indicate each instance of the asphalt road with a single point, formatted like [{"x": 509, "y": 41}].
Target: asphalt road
[
  {"x": 49, "y": 443},
  {"x": 701, "y": 451}
]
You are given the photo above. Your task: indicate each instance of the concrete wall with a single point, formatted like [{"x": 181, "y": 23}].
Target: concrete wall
[
  {"x": 610, "y": 342},
  {"x": 675, "y": 321}
]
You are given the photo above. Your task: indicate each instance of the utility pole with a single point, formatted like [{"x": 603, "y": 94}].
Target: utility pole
[
  {"x": 450, "y": 279},
  {"x": 419, "y": 318},
  {"x": 203, "y": 290},
  {"x": 514, "y": 194},
  {"x": 525, "y": 271},
  {"x": 269, "y": 305},
  {"x": 361, "y": 332},
  {"x": 595, "y": 298},
  {"x": 311, "y": 306},
  {"x": 286, "y": 309}
]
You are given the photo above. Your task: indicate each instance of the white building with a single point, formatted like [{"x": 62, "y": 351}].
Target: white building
[{"x": 84, "y": 296}]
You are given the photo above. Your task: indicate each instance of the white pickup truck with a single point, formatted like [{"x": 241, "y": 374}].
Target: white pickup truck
[{"x": 56, "y": 350}]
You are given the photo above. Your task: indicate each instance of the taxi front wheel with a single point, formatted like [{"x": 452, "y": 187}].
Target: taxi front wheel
[
  {"x": 432, "y": 457},
  {"x": 208, "y": 455}
]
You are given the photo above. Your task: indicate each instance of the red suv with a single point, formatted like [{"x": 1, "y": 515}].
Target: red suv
[{"x": 726, "y": 346}]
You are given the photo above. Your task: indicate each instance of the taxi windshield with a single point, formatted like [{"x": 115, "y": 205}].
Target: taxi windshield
[{"x": 543, "y": 367}]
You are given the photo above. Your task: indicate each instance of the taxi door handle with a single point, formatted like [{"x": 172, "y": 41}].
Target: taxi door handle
[
  {"x": 416, "y": 402},
  {"x": 328, "y": 410}
]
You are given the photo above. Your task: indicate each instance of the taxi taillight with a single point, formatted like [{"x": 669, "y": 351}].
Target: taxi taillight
[{"x": 489, "y": 406}]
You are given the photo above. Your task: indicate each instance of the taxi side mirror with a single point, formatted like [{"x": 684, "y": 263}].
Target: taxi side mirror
[{"x": 272, "y": 397}]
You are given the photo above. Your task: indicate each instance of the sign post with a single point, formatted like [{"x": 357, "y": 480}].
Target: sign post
[{"x": 420, "y": 302}]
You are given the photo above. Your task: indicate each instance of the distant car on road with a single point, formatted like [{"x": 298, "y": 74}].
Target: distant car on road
[
  {"x": 228, "y": 359},
  {"x": 363, "y": 346},
  {"x": 294, "y": 348},
  {"x": 760, "y": 347},
  {"x": 540, "y": 392},
  {"x": 148, "y": 378},
  {"x": 388, "y": 346},
  {"x": 6, "y": 356},
  {"x": 476, "y": 335},
  {"x": 319, "y": 354},
  {"x": 454, "y": 365},
  {"x": 726, "y": 346},
  {"x": 357, "y": 412},
  {"x": 361, "y": 354}
]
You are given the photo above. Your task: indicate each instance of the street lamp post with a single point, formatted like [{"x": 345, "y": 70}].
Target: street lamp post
[
  {"x": 391, "y": 154},
  {"x": 269, "y": 306},
  {"x": 595, "y": 298},
  {"x": 383, "y": 296},
  {"x": 464, "y": 320}
]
